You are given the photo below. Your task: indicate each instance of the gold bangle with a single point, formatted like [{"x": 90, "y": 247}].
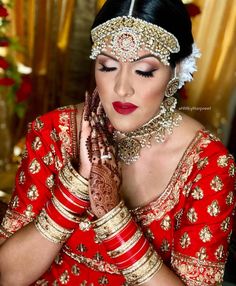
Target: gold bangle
[
  {"x": 72, "y": 181},
  {"x": 113, "y": 222},
  {"x": 99, "y": 222},
  {"x": 50, "y": 229},
  {"x": 144, "y": 269}
]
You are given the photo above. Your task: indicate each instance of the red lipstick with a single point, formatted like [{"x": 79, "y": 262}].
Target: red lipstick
[{"x": 124, "y": 107}]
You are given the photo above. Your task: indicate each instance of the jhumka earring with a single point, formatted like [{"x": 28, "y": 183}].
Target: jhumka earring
[{"x": 172, "y": 86}]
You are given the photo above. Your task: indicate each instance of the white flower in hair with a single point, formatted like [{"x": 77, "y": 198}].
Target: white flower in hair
[{"x": 188, "y": 66}]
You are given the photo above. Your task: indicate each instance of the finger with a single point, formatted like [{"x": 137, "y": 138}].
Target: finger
[
  {"x": 87, "y": 105},
  {"x": 94, "y": 101},
  {"x": 95, "y": 149}
]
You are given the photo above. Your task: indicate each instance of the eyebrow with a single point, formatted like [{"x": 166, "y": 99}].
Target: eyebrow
[{"x": 139, "y": 59}]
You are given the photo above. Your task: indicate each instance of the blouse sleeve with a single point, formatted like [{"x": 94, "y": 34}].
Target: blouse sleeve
[
  {"x": 201, "y": 241},
  {"x": 34, "y": 181}
]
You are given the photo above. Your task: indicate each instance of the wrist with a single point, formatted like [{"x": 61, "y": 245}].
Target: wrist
[
  {"x": 60, "y": 216},
  {"x": 127, "y": 246}
]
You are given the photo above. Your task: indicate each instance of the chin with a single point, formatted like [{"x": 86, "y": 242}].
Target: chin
[{"x": 124, "y": 125}]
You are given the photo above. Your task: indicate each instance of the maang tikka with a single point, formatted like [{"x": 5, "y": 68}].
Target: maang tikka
[{"x": 126, "y": 35}]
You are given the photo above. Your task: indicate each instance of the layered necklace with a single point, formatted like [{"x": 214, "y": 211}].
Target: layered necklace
[{"x": 131, "y": 143}]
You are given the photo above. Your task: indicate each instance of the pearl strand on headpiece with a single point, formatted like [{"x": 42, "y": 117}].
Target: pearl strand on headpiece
[{"x": 131, "y": 9}]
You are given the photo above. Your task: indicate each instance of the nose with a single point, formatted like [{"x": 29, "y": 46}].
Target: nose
[{"x": 123, "y": 85}]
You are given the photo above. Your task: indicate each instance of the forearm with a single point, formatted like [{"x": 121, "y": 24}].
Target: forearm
[
  {"x": 164, "y": 277},
  {"x": 25, "y": 256}
]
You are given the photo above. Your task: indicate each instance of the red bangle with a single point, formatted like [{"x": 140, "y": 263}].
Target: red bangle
[
  {"x": 76, "y": 200},
  {"x": 125, "y": 234},
  {"x": 56, "y": 216},
  {"x": 132, "y": 256},
  {"x": 68, "y": 202}
]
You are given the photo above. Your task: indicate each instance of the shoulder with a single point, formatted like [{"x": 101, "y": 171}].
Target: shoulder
[{"x": 65, "y": 116}]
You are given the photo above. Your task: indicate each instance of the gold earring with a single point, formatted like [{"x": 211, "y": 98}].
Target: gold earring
[{"x": 172, "y": 87}]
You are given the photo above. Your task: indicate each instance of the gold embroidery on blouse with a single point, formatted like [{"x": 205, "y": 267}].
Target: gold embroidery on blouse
[
  {"x": 219, "y": 253},
  {"x": 216, "y": 184},
  {"x": 187, "y": 189},
  {"x": 230, "y": 198},
  {"x": 33, "y": 193},
  {"x": 75, "y": 270},
  {"x": 214, "y": 209},
  {"x": 205, "y": 234},
  {"x": 81, "y": 247},
  {"x": 166, "y": 223},
  {"x": 229, "y": 236},
  {"x": 64, "y": 278},
  {"x": 13, "y": 221},
  {"x": 202, "y": 254},
  {"x": 195, "y": 272},
  {"x": 58, "y": 259},
  {"x": 170, "y": 197},
  {"x": 55, "y": 283},
  {"x": 102, "y": 266},
  {"x": 34, "y": 167},
  {"x": 185, "y": 240},
  {"x": 22, "y": 178},
  {"x": 42, "y": 282},
  {"x": 98, "y": 256},
  {"x": 36, "y": 144},
  {"x": 232, "y": 170},
  {"x": 64, "y": 134},
  {"x": 149, "y": 235},
  {"x": 53, "y": 135},
  {"x": 192, "y": 215},
  {"x": 178, "y": 219},
  {"x": 197, "y": 193},
  {"x": 103, "y": 280},
  {"x": 198, "y": 178},
  {"x": 165, "y": 245},
  {"x": 48, "y": 159},
  {"x": 24, "y": 153},
  {"x": 202, "y": 163},
  {"x": 14, "y": 202},
  {"x": 222, "y": 161},
  {"x": 225, "y": 224},
  {"x": 29, "y": 212},
  {"x": 38, "y": 124},
  {"x": 50, "y": 182},
  {"x": 58, "y": 163}
]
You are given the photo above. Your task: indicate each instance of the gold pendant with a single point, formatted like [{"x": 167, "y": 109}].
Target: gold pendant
[{"x": 129, "y": 150}]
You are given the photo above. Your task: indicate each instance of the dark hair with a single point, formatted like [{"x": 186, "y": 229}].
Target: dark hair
[{"x": 168, "y": 14}]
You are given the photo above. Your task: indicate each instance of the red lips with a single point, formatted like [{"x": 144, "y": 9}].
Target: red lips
[{"x": 124, "y": 107}]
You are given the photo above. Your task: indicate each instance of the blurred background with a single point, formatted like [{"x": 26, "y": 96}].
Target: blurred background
[{"x": 44, "y": 64}]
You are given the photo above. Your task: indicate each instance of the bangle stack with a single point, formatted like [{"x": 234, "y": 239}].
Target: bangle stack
[
  {"x": 127, "y": 246},
  {"x": 59, "y": 218}
]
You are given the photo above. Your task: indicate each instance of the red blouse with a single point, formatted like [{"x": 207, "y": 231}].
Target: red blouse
[{"x": 189, "y": 225}]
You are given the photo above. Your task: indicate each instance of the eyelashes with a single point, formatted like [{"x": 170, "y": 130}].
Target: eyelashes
[
  {"x": 146, "y": 74},
  {"x": 106, "y": 69}
]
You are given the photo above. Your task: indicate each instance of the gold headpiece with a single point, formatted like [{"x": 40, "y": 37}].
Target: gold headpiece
[{"x": 126, "y": 35}]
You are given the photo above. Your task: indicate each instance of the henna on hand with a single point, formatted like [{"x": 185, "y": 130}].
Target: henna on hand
[{"x": 105, "y": 173}]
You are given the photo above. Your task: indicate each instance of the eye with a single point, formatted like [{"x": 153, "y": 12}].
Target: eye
[
  {"x": 106, "y": 69},
  {"x": 145, "y": 74}
]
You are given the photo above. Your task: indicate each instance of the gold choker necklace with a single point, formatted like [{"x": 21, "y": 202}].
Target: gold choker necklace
[{"x": 131, "y": 143}]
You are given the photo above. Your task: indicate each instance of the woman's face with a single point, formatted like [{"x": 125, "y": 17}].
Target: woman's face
[{"x": 131, "y": 92}]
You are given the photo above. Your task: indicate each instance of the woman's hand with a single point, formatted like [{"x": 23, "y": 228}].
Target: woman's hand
[
  {"x": 105, "y": 178},
  {"x": 85, "y": 161}
]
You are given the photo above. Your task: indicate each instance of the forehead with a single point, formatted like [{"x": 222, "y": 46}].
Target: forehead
[{"x": 142, "y": 55}]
